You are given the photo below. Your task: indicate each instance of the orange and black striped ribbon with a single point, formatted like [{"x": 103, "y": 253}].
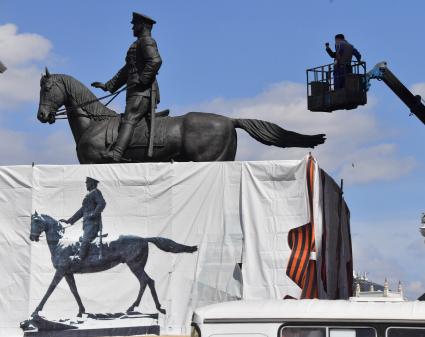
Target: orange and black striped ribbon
[{"x": 301, "y": 241}]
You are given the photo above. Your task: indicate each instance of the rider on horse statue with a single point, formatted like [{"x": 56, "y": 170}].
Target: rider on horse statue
[
  {"x": 139, "y": 73},
  {"x": 91, "y": 210}
]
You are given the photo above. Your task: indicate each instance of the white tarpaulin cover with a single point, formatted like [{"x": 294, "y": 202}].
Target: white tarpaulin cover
[{"x": 237, "y": 213}]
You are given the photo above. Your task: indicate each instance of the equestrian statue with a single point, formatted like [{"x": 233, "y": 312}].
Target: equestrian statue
[{"x": 140, "y": 134}]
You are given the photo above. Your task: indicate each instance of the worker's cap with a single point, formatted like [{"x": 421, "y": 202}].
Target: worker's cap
[
  {"x": 340, "y": 36},
  {"x": 92, "y": 180},
  {"x": 141, "y": 18}
]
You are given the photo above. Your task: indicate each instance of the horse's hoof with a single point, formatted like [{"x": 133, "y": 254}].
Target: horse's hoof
[
  {"x": 162, "y": 311},
  {"x": 131, "y": 309}
]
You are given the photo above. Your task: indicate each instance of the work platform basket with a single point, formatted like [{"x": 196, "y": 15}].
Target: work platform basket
[{"x": 329, "y": 90}]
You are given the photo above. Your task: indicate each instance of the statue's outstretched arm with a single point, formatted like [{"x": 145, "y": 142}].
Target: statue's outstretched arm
[
  {"x": 77, "y": 216},
  {"x": 118, "y": 80}
]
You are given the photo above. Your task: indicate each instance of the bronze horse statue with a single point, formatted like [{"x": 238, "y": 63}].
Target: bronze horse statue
[
  {"x": 195, "y": 136},
  {"x": 129, "y": 249}
]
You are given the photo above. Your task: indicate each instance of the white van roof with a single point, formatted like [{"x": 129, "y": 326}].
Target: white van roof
[{"x": 270, "y": 311}]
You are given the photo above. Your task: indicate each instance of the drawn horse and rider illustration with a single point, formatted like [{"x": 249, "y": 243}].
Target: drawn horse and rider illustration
[{"x": 92, "y": 257}]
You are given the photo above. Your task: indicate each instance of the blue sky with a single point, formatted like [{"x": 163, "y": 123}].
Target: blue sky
[{"x": 248, "y": 58}]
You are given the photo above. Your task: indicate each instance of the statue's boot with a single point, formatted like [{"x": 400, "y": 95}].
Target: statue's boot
[
  {"x": 84, "y": 249},
  {"x": 124, "y": 136}
]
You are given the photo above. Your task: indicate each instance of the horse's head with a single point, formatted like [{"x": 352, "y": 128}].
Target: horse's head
[
  {"x": 38, "y": 226},
  {"x": 44, "y": 223},
  {"x": 52, "y": 97}
]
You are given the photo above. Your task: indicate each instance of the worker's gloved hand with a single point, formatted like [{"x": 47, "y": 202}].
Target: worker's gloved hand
[
  {"x": 327, "y": 44},
  {"x": 99, "y": 85}
]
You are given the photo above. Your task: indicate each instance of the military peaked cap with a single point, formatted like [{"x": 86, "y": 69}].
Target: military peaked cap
[
  {"x": 141, "y": 18},
  {"x": 89, "y": 179}
]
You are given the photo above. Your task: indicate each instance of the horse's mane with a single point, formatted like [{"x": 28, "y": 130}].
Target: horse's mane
[
  {"x": 57, "y": 228},
  {"x": 48, "y": 218},
  {"x": 82, "y": 94}
]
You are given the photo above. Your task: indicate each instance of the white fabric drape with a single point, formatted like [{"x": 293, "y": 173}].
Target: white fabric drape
[{"x": 238, "y": 213}]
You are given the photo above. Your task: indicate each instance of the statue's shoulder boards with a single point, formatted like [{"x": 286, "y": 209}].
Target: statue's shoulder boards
[{"x": 134, "y": 44}]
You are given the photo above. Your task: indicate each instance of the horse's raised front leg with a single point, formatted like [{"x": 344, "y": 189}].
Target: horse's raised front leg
[
  {"x": 71, "y": 282},
  {"x": 56, "y": 279}
]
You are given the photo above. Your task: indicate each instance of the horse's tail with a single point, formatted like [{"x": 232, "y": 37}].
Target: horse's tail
[
  {"x": 272, "y": 134},
  {"x": 171, "y": 246}
]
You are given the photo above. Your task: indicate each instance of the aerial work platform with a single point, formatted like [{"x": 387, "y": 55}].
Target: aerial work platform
[{"x": 324, "y": 95}]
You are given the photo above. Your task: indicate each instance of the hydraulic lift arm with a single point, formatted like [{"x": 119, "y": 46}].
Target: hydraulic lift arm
[{"x": 413, "y": 102}]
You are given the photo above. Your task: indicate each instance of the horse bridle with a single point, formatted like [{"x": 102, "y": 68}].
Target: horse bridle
[
  {"x": 35, "y": 234},
  {"x": 63, "y": 113},
  {"x": 58, "y": 222}
]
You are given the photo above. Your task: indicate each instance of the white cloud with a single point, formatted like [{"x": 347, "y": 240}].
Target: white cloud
[
  {"x": 19, "y": 85},
  {"x": 56, "y": 148},
  {"x": 353, "y": 136},
  {"x": 18, "y": 49},
  {"x": 416, "y": 287},
  {"x": 390, "y": 248},
  {"x": 20, "y": 53},
  {"x": 380, "y": 162},
  {"x": 13, "y": 147}
]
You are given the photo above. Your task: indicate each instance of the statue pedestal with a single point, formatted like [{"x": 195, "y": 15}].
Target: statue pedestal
[{"x": 93, "y": 325}]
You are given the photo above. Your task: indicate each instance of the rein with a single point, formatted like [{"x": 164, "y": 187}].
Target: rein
[{"x": 64, "y": 111}]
